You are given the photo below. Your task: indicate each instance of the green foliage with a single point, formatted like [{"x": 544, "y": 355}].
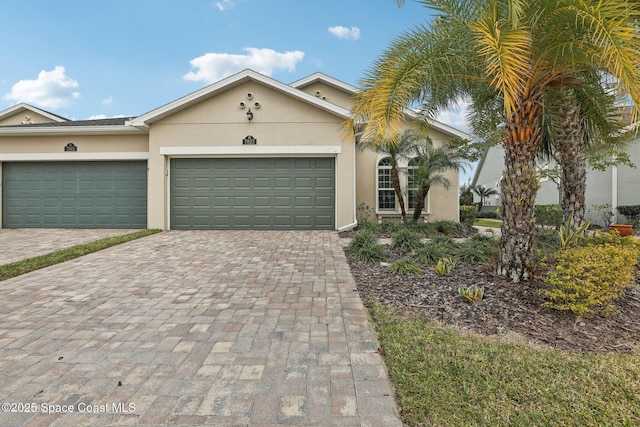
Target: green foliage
[
  {"x": 546, "y": 239},
  {"x": 405, "y": 266},
  {"x": 631, "y": 213},
  {"x": 451, "y": 228},
  {"x": 590, "y": 276},
  {"x": 467, "y": 215},
  {"x": 406, "y": 238},
  {"x": 431, "y": 253},
  {"x": 370, "y": 253},
  {"x": 548, "y": 215},
  {"x": 364, "y": 237},
  {"x": 444, "y": 266},
  {"x": 477, "y": 249},
  {"x": 471, "y": 294},
  {"x": 488, "y": 215},
  {"x": 569, "y": 237},
  {"x": 389, "y": 226}
]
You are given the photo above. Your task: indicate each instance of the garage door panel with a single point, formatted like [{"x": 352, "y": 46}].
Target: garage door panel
[
  {"x": 72, "y": 194},
  {"x": 255, "y": 193}
]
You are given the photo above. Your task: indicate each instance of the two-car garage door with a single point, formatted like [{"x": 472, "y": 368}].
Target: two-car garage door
[{"x": 259, "y": 193}]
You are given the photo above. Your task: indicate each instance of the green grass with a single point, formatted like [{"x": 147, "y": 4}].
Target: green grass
[
  {"x": 487, "y": 223},
  {"x": 444, "y": 377},
  {"x": 17, "y": 268}
]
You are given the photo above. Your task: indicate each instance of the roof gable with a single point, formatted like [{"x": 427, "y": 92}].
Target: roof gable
[
  {"x": 28, "y": 110},
  {"x": 223, "y": 85}
]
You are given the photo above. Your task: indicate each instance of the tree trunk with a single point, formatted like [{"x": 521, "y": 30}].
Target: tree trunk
[
  {"x": 395, "y": 180},
  {"x": 573, "y": 159},
  {"x": 518, "y": 191},
  {"x": 420, "y": 198}
]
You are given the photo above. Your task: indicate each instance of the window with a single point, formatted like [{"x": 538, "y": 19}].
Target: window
[
  {"x": 386, "y": 195},
  {"x": 412, "y": 185}
]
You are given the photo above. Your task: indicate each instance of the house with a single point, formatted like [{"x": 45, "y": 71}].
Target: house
[
  {"x": 245, "y": 152},
  {"x": 615, "y": 186}
]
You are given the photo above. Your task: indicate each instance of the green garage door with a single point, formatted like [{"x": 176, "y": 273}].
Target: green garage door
[
  {"x": 261, "y": 193},
  {"x": 75, "y": 195}
]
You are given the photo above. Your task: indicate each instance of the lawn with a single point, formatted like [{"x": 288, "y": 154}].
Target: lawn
[
  {"x": 487, "y": 223},
  {"x": 445, "y": 377}
]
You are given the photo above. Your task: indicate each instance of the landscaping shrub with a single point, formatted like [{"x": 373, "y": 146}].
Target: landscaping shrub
[
  {"x": 431, "y": 253},
  {"x": 405, "y": 266},
  {"x": 631, "y": 213},
  {"x": 364, "y": 237},
  {"x": 468, "y": 214},
  {"x": 545, "y": 239},
  {"x": 591, "y": 276},
  {"x": 479, "y": 249},
  {"x": 405, "y": 238},
  {"x": 451, "y": 228},
  {"x": 548, "y": 215},
  {"x": 488, "y": 215}
]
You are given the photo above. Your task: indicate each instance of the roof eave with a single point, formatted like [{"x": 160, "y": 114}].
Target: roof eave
[{"x": 70, "y": 130}]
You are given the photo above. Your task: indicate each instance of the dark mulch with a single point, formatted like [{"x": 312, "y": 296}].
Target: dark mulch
[{"x": 508, "y": 309}]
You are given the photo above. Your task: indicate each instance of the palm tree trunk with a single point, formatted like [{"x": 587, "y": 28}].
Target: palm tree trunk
[
  {"x": 421, "y": 196},
  {"x": 395, "y": 180},
  {"x": 518, "y": 191},
  {"x": 573, "y": 159}
]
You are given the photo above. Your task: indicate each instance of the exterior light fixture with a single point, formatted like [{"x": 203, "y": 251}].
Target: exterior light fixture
[{"x": 249, "y": 115}]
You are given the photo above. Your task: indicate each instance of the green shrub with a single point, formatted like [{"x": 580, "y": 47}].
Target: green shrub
[
  {"x": 389, "y": 226},
  {"x": 631, "y": 213},
  {"x": 488, "y": 215},
  {"x": 591, "y": 276},
  {"x": 451, "y": 228},
  {"x": 405, "y": 238},
  {"x": 431, "y": 253},
  {"x": 477, "y": 250},
  {"x": 468, "y": 214},
  {"x": 546, "y": 239},
  {"x": 370, "y": 253},
  {"x": 364, "y": 237},
  {"x": 405, "y": 266},
  {"x": 548, "y": 215}
]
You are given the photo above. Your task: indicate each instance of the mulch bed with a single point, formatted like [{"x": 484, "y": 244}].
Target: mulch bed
[{"x": 508, "y": 310}]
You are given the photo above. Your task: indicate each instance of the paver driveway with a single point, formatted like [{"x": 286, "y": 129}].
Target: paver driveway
[{"x": 193, "y": 328}]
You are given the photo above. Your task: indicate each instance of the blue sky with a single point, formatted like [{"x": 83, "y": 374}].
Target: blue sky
[{"x": 96, "y": 59}]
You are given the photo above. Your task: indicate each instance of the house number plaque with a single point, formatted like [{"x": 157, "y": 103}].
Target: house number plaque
[
  {"x": 249, "y": 140},
  {"x": 70, "y": 147}
]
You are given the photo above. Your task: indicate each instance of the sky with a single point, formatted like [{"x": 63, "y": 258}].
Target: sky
[{"x": 86, "y": 59}]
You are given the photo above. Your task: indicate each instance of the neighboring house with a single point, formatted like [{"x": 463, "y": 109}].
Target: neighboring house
[
  {"x": 245, "y": 152},
  {"x": 616, "y": 186}
]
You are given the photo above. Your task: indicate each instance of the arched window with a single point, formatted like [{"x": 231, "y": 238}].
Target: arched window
[{"x": 386, "y": 195}]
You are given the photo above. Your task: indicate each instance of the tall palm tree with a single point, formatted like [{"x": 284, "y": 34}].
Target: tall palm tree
[
  {"x": 515, "y": 49},
  {"x": 483, "y": 192},
  {"x": 431, "y": 164}
]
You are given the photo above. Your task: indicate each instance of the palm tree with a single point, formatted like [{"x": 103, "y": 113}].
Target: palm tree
[
  {"x": 516, "y": 49},
  {"x": 483, "y": 192},
  {"x": 400, "y": 150},
  {"x": 431, "y": 163}
]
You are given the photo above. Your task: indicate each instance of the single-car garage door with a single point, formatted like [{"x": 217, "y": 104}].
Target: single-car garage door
[
  {"x": 260, "y": 193},
  {"x": 74, "y": 195}
]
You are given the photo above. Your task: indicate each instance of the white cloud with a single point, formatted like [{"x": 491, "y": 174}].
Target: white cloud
[
  {"x": 456, "y": 118},
  {"x": 345, "y": 33},
  {"x": 225, "y": 4},
  {"x": 107, "y": 101},
  {"x": 211, "y": 67},
  {"x": 104, "y": 116},
  {"x": 52, "y": 89}
]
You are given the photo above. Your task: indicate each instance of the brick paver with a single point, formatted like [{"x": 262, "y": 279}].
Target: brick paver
[
  {"x": 18, "y": 244},
  {"x": 194, "y": 328}
]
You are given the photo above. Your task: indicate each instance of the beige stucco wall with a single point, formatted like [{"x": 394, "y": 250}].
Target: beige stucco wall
[
  {"x": 442, "y": 204},
  {"x": 330, "y": 94},
  {"x": 219, "y": 124},
  {"x": 20, "y": 116}
]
